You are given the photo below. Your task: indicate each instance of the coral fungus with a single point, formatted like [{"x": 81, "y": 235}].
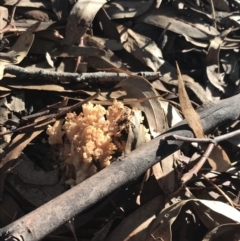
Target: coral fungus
[{"x": 89, "y": 143}]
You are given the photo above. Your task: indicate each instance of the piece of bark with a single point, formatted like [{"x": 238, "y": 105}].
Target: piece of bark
[{"x": 45, "y": 219}]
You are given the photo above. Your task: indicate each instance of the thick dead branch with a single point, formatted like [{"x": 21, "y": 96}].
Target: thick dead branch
[{"x": 53, "y": 214}]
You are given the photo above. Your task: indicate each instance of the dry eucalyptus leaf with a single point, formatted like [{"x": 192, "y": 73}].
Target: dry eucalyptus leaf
[
  {"x": 141, "y": 47},
  {"x": 74, "y": 51},
  {"x": 3, "y": 17},
  {"x": 4, "y": 112},
  {"x": 161, "y": 227},
  {"x": 224, "y": 232},
  {"x": 127, "y": 9},
  {"x": 191, "y": 116},
  {"x": 21, "y": 140},
  {"x": 108, "y": 60},
  {"x": 29, "y": 3},
  {"x": 26, "y": 170},
  {"x": 173, "y": 116},
  {"x": 134, "y": 227},
  {"x": 186, "y": 26},
  {"x": 213, "y": 213},
  {"x": 34, "y": 194},
  {"x": 212, "y": 61},
  {"x": 222, "y": 5},
  {"x": 165, "y": 174},
  {"x": 218, "y": 158},
  {"x": 20, "y": 48},
  {"x": 138, "y": 88},
  {"x": 136, "y": 133},
  {"x": 111, "y": 44},
  {"x": 80, "y": 19},
  {"x": 17, "y": 103},
  {"x": 9, "y": 210}
]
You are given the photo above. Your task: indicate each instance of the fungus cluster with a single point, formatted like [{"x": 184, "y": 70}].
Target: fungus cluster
[{"x": 91, "y": 138}]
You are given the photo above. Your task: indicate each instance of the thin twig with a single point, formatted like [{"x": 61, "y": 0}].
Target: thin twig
[
  {"x": 188, "y": 176},
  {"x": 209, "y": 140},
  {"x": 221, "y": 191},
  {"x": 204, "y": 140},
  {"x": 11, "y": 22}
]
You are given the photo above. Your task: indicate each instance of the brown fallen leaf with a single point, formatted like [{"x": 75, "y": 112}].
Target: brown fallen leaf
[
  {"x": 20, "y": 48},
  {"x": 215, "y": 213},
  {"x": 134, "y": 227},
  {"x": 80, "y": 18},
  {"x": 127, "y": 9},
  {"x": 141, "y": 47},
  {"x": 138, "y": 88},
  {"x": 218, "y": 158},
  {"x": 189, "y": 28},
  {"x": 16, "y": 147}
]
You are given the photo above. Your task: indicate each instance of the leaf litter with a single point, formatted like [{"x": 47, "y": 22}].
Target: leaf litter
[{"x": 104, "y": 72}]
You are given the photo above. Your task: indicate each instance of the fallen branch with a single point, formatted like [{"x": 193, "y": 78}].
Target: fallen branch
[
  {"x": 45, "y": 219},
  {"x": 72, "y": 77}
]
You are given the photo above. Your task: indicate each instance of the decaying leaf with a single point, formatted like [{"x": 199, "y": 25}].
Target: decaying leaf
[
  {"x": 141, "y": 47},
  {"x": 191, "y": 116},
  {"x": 80, "y": 19},
  {"x": 20, "y": 48},
  {"x": 161, "y": 17},
  {"x": 26, "y": 170},
  {"x": 17, "y": 103},
  {"x": 223, "y": 232},
  {"x": 212, "y": 61},
  {"x": 9, "y": 210},
  {"x": 134, "y": 227},
  {"x": 108, "y": 60},
  {"x": 218, "y": 158},
  {"x": 137, "y": 88},
  {"x": 165, "y": 175},
  {"x": 74, "y": 51},
  {"x": 16, "y": 147},
  {"x": 127, "y": 9},
  {"x": 137, "y": 132},
  {"x": 161, "y": 227}
]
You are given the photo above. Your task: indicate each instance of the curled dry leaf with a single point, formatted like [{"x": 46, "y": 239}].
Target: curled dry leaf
[
  {"x": 218, "y": 158},
  {"x": 25, "y": 169},
  {"x": 127, "y": 9},
  {"x": 138, "y": 88},
  {"x": 137, "y": 133},
  {"x": 34, "y": 194},
  {"x": 141, "y": 47},
  {"x": 20, "y": 48},
  {"x": 224, "y": 232},
  {"x": 80, "y": 19},
  {"x": 193, "y": 28},
  {"x": 165, "y": 175},
  {"x": 16, "y": 147},
  {"x": 17, "y": 103},
  {"x": 74, "y": 51},
  {"x": 161, "y": 227},
  {"x": 134, "y": 227},
  {"x": 108, "y": 60},
  {"x": 212, "y": 61},
  {"x": 9, "y": 210}
]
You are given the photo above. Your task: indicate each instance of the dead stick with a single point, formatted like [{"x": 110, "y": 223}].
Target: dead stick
[
  {"x": 73, "y": 77},
  {"x": 45, "y": 219}
]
